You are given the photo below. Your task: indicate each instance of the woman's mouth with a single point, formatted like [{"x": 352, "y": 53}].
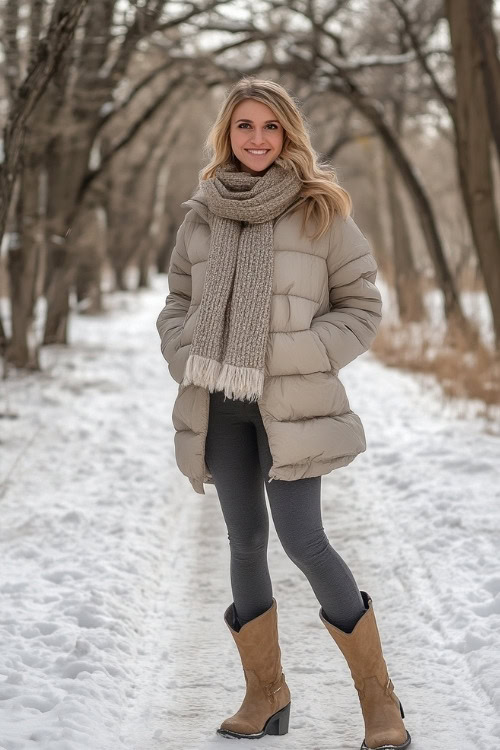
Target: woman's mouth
[{"x": 257, "y": 151}]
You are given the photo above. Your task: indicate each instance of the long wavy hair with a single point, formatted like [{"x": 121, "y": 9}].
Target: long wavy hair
[{"x": 324, "y": 196}]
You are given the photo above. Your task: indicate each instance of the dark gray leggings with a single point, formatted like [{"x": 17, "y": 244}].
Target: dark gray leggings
[{"x": 238, "y": 456}]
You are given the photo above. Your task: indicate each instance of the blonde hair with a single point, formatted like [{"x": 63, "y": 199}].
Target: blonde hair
[{"x": 324, "y": 196}]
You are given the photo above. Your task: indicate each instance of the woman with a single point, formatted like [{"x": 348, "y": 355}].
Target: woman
[{"x": 271, "y": 293}]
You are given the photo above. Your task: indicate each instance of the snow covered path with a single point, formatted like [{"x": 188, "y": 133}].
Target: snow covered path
[{"x": 115, "y": 573}]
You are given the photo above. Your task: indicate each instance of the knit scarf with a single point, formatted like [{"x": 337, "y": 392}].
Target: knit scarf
[{"x": 230, "y": 338}]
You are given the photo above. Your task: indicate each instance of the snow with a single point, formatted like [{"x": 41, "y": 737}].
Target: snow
[
  {"x": 115, "y": 573},
  {"x": 475, "y": 305}
]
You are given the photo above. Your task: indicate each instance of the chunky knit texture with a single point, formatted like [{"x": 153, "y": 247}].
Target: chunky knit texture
[{"x": 230, "y": 340}]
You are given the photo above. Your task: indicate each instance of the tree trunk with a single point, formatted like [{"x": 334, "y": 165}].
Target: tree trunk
[
  {"x": 26, "y": 259},
  {"x": 24, "y": 262},
  {"x": 473, "y": 135},
  {"x": 144, "y": 263},
  {"x": 91, "y": 255},
  {"x": 480, "y": 14},
  {"x": 67, "y": 165},
  {"x": 379, "y": 220},
  {"x": 88, "y": 285},
  {"x": 407, "y": 281}
]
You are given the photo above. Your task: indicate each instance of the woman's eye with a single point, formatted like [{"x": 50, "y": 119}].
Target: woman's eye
[{"x": 270, "y": 125}]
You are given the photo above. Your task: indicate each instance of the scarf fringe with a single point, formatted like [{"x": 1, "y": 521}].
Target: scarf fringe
[{"x": 236, "y": 382}]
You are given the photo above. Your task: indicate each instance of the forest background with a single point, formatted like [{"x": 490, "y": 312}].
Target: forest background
[{"x": 105, "y": 106}]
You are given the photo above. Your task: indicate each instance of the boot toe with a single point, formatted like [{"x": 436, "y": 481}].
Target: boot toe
[
  {"x": 239, "y": 726},
  {"x": 387, "y": 741}
]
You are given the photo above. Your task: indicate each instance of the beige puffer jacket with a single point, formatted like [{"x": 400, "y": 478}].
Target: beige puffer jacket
[{"x": 325, "y": 311}]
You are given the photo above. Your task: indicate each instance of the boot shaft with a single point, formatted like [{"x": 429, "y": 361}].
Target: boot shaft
[
  {"x": 258, "y": 643},
  {"x": 361, "y": 647}
]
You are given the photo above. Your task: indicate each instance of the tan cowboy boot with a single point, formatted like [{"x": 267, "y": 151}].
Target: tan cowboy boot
[
  {"x": 266, "y": 706},
  {"x": 382, "y": 711}
]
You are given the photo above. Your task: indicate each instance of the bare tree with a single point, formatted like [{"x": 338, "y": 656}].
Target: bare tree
[
  {"x": 24, "y": 96},
  {"x": 55, "y": 128},
  {"x": 474, "y": 136},
  {"x": 473, "y": 116},
  {"x": 481, "y": 19},
  {"x": 81, "y": 121}
]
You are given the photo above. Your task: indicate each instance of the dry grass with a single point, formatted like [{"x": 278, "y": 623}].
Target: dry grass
[{"x": 464, "y": 367}]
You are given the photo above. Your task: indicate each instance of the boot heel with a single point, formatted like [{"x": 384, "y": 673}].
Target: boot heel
[
  {"x": 278, "y": 722},
  {"x": 401, "y": 709}
]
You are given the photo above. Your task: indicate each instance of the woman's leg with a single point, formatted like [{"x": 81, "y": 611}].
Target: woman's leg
[
  {"x": 296, "y": 511},
  {"x": 232, "y": 457}
]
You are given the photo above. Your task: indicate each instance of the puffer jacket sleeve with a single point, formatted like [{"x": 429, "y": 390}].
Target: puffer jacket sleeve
[
  {"x": 350, "y": 326},
  {"x": 171, "y": 319}
]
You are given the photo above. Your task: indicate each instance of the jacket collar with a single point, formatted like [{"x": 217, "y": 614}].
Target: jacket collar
[{"x": 197, "y": 202}]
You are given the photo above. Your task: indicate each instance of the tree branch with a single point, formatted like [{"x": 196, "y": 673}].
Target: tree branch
[{"x": 447, "y": 100}]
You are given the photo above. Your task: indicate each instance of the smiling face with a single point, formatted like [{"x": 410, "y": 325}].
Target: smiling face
[{"x": 256, "y": 136}]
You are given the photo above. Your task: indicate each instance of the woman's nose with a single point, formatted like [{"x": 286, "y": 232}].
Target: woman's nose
[{"x": 258, "y": 138}]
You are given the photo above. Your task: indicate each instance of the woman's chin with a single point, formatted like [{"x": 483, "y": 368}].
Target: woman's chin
[{"x": 255, "y": 168}]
